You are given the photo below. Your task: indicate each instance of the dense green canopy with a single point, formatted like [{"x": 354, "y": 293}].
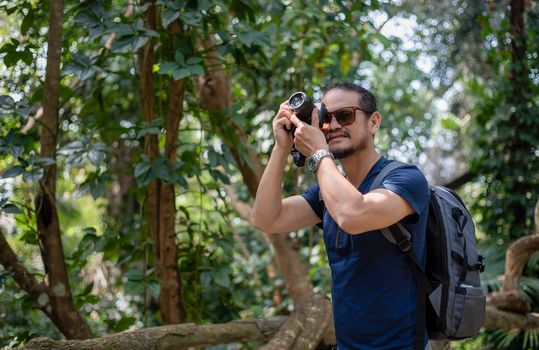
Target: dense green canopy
[{"x": 133, "y": 135}]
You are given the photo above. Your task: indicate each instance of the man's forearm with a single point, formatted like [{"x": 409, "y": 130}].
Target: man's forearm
[
  {"x": 340, "y": 196},
  {"x": 268, "y": 201}
]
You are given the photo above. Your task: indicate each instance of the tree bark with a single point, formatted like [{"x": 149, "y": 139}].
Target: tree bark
[
  {"x": 215, "y": 95},
  {"x": 172, "y": 308},
  {"x": 182, "y": 336},
  {"x": 305, "y": 327},
  {"x": 509, "y": 298},
  {"x": 172, "y": 337},
  {"x": 57, "y": 302},
  {"x": 159, "y": 206},
  {"x": 499, "y": 319}
]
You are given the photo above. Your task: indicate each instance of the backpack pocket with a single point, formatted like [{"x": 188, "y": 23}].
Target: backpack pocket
[{"x": 468, "y": 311}]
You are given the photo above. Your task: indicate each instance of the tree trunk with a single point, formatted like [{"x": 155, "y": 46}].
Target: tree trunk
[
  {"x": 170, "y": 297},
  {"x": 215, "y": 95},
  {"x": 57, "y": 303},
  {"x": 159, "y": 207}
]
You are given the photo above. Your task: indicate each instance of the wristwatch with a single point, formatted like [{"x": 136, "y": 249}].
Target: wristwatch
[{"x": 314, "y": 160}]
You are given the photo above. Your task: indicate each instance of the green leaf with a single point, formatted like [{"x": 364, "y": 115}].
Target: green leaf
[
  {"x": 168, "y": 16},
  {"x": 14, "y": 171},
  {"x": 34, "y": 175},
  {"x": 221, "y": 277},
  {"x": 28, "y": 21},
  {"x": 179, "y": 58},
  {"x": 134, "y": 275},
  {"x": 163, "y": 170},
  {"x": 179, "y": 179},
  {"x": 188, "y": 71},
  {"x": 450, "y": 123},
  {"x": 142, "y": 168},
  {"x": 194, "y": 60},
  {"x": 44, "y": 161},
  {"x": 181, "y": 73},
  {"x": 29, "y": 237},
  {"x": 204, "y": 5},
  {"x": 10, "y": 208},
  {"x": 205, "y": 279},
  {"x": 253, "y": 37},
  {"x": 7, "y": 102},
  {"x": 192, "y": 18},
  {"x": 82, "y": 66},
  {"x": 86, "y": 290},
  {"x": 124, "y": 323},
  {"x": 168, "y": 67}
]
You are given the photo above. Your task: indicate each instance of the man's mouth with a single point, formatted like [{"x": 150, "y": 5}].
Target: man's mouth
[{"x": 335, "y": 136}]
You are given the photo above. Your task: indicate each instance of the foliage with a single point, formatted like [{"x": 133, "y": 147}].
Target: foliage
[{"x": 444, "y": 93}]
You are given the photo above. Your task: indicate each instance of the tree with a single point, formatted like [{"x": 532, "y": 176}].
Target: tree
[{"x": 165, "y": 110}]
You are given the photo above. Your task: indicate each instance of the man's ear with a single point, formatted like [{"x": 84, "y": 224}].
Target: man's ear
[{"x": 374, "y": 122}]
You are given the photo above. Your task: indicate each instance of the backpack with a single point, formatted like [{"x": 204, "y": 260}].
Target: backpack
[{"x": 450, "y": 300}]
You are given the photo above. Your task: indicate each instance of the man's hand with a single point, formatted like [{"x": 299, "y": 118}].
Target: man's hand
[
  {"x": 282, "y": 126},
  {"x": 308, "y": 138}
]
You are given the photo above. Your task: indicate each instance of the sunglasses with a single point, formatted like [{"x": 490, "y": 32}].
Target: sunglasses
[{"x": 344, "y": 116}]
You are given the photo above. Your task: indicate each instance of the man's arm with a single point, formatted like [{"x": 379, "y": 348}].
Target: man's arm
[
  {"x": 355, "y": 212},
  {"x": 271, "y": 213}
]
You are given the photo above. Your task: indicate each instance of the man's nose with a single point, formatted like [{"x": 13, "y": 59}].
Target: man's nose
[{"x": 334, "y": 124}]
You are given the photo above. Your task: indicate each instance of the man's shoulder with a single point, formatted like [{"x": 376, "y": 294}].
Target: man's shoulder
[{"x": 407, "y": 174}]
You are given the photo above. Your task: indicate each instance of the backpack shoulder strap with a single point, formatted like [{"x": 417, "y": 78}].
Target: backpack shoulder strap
[
  {"x": 389, "y": 167},
  {"x": 400, "y": 237}
]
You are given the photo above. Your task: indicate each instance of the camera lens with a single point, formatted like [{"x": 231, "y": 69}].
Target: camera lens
[{"x": 296, "y": 100}]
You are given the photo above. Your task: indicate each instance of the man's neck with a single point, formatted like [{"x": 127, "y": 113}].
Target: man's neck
[{"x": 357, "y": 165}]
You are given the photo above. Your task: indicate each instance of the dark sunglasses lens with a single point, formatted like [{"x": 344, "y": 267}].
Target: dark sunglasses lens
[{"x": 345, "y": 116}]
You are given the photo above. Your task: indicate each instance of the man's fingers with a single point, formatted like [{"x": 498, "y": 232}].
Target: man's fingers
[
  {"x": 296, "y": 121},
  {"x": 314, "y": 117},
  {"x": 285, "y": 122}
]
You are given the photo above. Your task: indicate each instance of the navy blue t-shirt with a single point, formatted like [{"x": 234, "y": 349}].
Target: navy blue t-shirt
[{"x": 373, "y": 282}]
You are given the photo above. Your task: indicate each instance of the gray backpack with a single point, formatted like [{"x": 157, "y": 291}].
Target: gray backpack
[{"x": 456, "y": 302}]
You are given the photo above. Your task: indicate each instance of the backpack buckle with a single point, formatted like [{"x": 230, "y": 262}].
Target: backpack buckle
[
  {"x": 405, "y": 245},
  {"x": 481, "y": 263}
]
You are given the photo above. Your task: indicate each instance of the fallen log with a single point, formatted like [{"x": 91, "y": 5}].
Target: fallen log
[
  {"x": 305, "y": 327},
  {"x": 171, "y": 337},
  {"x": 182, "y": 336}
]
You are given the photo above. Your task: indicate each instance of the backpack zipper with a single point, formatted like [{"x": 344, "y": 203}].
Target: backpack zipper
[{"x": 445, "y": 282}]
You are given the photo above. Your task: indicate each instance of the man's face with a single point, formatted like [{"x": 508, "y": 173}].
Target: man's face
[{"x": 345, "y": 140}]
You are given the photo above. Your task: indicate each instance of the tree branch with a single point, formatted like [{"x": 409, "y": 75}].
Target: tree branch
[
  {"x": 461, "y": 180},
  {"x": 182, "y": 336},
  {"x": 509, "y": 298},
  {"x": 499, "y": 319},
  {"x": 171, "y": 337},
  {"x": 21, "y": 275}
]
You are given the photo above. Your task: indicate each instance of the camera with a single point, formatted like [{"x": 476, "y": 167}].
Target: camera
[{"x": 302, "y": 106}]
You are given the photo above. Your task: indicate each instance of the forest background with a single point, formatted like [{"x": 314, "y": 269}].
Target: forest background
[{"x": 133, "y": 135}]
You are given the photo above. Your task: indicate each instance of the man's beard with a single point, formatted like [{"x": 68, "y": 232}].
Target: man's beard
[{"x": 343, "y": 153}]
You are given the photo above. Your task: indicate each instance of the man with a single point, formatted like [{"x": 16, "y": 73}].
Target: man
[{"x": 373, "y": 283}]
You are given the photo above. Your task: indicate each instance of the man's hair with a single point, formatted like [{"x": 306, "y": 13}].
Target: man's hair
[{"x": 367, "y": 102}]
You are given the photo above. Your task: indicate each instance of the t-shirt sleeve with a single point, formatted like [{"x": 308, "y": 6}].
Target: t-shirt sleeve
[
  {"x": 410, "y": 184},
  {"x": 312, "y": 196}
]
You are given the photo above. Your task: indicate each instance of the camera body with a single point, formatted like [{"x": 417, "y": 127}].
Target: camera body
[{"x": 302, "y": 106}]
